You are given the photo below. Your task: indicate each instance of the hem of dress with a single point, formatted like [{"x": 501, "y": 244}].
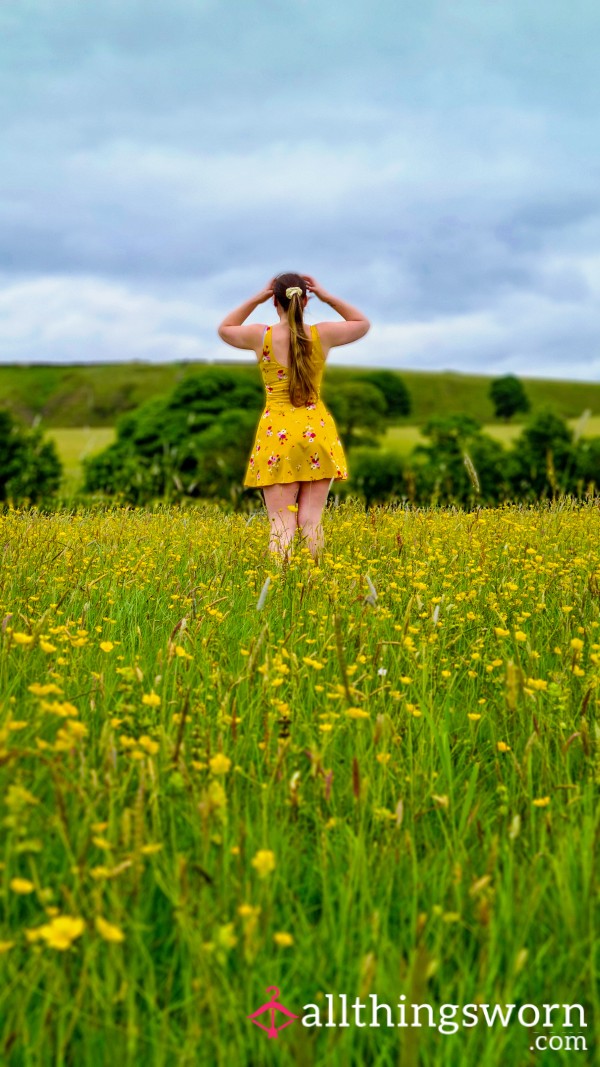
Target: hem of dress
[{"x": 286, "y": 481}]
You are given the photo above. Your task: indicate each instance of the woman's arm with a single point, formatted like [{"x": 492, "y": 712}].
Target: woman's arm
[
  {"x": 231, "y": 329},
  {"x": 338, "y": 333}
]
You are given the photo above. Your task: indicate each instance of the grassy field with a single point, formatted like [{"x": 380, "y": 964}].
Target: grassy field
[
  {"x": 95, "y": 395},
  {"x": 73, "y": 444},
  {"x": 402, "y": 439},
  {"x": 374, "y": 777}
]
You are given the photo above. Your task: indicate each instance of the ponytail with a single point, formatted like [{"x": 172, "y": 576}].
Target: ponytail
[{"x": 301, "y": 363}]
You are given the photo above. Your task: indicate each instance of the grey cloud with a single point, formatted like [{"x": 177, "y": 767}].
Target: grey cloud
[{"x": 422, "y": 160}]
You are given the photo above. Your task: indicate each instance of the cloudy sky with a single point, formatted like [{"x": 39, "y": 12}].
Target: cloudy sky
[{"x": 434, "y": 162}]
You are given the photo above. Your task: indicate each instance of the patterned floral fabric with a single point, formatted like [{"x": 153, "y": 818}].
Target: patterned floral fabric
[{"x": 293, "y": 444}]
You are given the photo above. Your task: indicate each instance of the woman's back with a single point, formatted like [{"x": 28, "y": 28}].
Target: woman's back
[{"x": 331, "y": 335}]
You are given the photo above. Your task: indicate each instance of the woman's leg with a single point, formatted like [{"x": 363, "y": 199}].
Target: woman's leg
[
  {"x": 311, "y": 501},
  {"x": 282, "y": 522}
]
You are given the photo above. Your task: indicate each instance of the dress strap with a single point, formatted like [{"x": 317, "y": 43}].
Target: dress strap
[{"x": 316, "y": 340}]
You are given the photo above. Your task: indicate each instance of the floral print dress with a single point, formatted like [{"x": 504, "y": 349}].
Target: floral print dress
[{"x": 293, "y": 444}]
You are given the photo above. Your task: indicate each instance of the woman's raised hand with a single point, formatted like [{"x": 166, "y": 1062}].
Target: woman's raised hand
[
  {"x": 266, "y": 293},
  {"x": 314, "y": 287}
]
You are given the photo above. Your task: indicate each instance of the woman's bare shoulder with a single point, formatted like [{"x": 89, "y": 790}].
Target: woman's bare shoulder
[{"x": 333, "y": 334}]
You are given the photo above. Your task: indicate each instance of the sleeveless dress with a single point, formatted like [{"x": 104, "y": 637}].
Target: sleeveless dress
[{"x": 293, "y": 444}]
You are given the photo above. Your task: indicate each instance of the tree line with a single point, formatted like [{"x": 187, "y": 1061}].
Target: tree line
[{"x": 195, "y": 442}]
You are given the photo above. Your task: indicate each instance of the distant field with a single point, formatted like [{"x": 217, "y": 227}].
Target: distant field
[
  {"x": 74, "y": 443},
  {"x": 97, "y": 395},
  {"x": 404, "y": 438}
]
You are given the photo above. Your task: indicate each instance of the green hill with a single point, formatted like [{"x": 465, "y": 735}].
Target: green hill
[{"x": 96, "y": 394}]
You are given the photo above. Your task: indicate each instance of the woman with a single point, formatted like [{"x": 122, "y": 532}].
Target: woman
[{"x": 297, "y": 453}]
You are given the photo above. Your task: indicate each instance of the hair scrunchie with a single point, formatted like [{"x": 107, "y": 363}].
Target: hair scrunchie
[{"x": 293, "y": 289}]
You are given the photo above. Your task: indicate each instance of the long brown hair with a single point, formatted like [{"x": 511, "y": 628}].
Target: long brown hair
[{"x": 301, "y": 365}]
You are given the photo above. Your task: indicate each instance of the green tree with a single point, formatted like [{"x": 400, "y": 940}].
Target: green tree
[
  {"x": 460, "y": 465},
  {"x": 356, "y": 406},
  {"x": 508, "y": 397},
  {"x": 192, "y": 443},
  {"x": 377, "y": 475},
  {"x": 543, "y": 459},
  {"x": 588, "y": 463},
  {"x": 30, "y": 469},
  {"x": 393, "y": 390}
]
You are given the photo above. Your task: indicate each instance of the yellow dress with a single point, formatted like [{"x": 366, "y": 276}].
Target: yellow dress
[{"x": 293, "y": 444}]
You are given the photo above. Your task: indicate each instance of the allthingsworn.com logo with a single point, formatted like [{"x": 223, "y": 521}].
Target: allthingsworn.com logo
[{"x": 272, "y": 1017}]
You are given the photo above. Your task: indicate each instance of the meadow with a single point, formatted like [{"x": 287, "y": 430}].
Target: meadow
[{"x": 222, "y": 774}]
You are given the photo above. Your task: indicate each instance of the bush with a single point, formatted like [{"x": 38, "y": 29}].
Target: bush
[
  {"x": 508, "y": 397},
  {"x": 378, "y": 476},
  {"x": 394, "y": 392},
  {"x": 30, "y": 469},
  {"x": 543, "y": 460},
  {"x": 462, "y": 465},
  {"x": 192, "y": 443},
  {"x": 356, "y": 406},
  {"x": 588, "y": 463}
]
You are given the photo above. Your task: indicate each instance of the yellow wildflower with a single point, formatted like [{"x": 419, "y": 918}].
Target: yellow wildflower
[
  {"x": 282, "y": 939},
  {"x": 40, "y": 690},
  {"x": 151, "y": 699},
  {"x": 108, "y": 931},
  {"x": 541, "y": 802},
  {"x": 107, "y": 646},
  {"x": 247, "y": 911},
  {"x": 264, "y": 862},
  {"x": 61, "y": 932},
  {"x": 149, "y": 746},
  {"x": 219, "y": 764},
  {"x": 101, "y": 872},
  {"x": 21, "y": 885},
  {"x": 537, "y": 683},
  {"x": 102, "y": 843},
  {"x": 22, "y": 639},
  {"x": 502, "y": 746}
]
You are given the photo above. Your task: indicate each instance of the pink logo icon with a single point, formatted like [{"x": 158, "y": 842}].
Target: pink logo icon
[{"x": 273, "y": 1006}]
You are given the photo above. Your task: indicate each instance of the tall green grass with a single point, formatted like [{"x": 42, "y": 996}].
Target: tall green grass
[{"x": 409, "y": 732}]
